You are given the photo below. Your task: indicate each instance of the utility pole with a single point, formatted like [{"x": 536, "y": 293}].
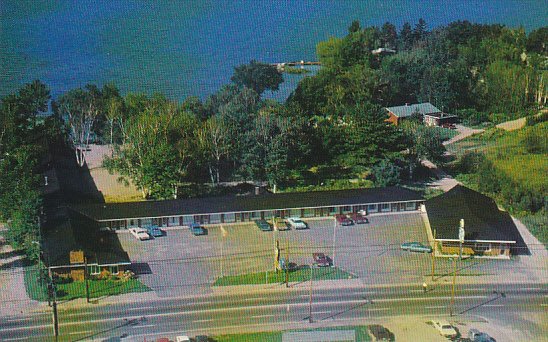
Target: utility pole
[
  {"x": 453, "y": 288},
  {"x": 433, "y": 256},
  {"x": 86, "y": 276},
  {"x": 54, "y": 305},
  {"x": 334, "y": 237},
  {"x": 287, "y": 267},
  {"x": 310, "y": 320}
]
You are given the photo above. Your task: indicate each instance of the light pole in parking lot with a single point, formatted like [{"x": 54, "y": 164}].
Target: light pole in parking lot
[
  {"x": 310, "y": 320},
  {"x": 223, "y": 235}
]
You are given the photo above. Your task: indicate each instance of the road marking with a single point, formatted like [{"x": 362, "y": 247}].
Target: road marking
[
  {"x": 202, "y": 320},
  {"x": 321, "y": 312},
  {"x": 494, "y": 305},
  {"x": 81, "y": 332},
  {"x": 436, "y": 307},
  {"x": 259, "y": 316},
  {"x": 16, "y": 339},
  {"x": 143, "y": 326}
]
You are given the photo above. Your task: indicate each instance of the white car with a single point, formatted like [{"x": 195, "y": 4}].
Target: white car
[
  {"x": 139, "y": 233},
  {"x": 182, "y": 339},
  {"x": 296, "y": 223},
  {"x": 445, "y": 328}
]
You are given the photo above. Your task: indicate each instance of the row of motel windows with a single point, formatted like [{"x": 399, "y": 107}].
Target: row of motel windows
[
  {"x": 97, "y": 269},
  {"x": 263, "y": 214}
]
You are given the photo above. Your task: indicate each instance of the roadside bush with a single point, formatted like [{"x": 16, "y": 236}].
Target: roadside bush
[
  {"x": 470, "y": 162},
  {"x": 535, "y": 119},
  {"x": 534, "y": 140}
]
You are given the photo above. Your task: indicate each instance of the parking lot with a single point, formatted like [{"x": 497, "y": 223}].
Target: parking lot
[{"x": 180, "y": 263}]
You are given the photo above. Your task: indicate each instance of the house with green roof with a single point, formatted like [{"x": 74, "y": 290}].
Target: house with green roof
[{"x": 430, "y": 114}]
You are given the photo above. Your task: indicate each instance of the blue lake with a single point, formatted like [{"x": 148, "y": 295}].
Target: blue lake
[{"x": 184, "y": 48}]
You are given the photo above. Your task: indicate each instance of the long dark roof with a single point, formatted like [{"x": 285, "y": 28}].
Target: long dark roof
[
  {"x": 227, "y": 204},
  {"x": 482, "y": 218}
]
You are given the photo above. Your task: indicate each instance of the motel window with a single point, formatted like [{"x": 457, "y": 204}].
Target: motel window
[
  {"x": 188, "y": 220},
  {"x": 131, "y": 222},
  {"x": 114, "y": 269},
  {"x": 385, "y": 207},
  {"x": 268, "y": 215},
  {"x": 215, "y": 218},
  {"x": 255, "y": 214},
  {"x": 482, "y": 247},
  {"x": 94, "y": 269},
  {"x": 229, "y": 218},
  {"x": 347, "y": 209},
  {"x": 308, "y": 213},
  {"x": 173, "y": 221},
  {"x": 410, "y": 206},
  {"x": 332, "y": 210},
  {"x": 372, "y": 208}
]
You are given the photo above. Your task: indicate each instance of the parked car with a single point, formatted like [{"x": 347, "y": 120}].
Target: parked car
[
  {"x": 201, "y": 338},
  {"x": 477, "y": 336},
  {"x": 279, "y": 224},
  {"x": 154, "y": 231},
  {"x": 449, "y": 125},
  {"x": 416, "y": 247},
  {"x": 182, "y": 339},
  {"x": 289, "y": 266},
  {"x": 343, "y": 220},
  {"x": 321, "y": 260},
  {"x": 196, "y": 229},
  {"x": 263, "y": 225},
  {"x": 139, "y": 233},
  {"x": 380, "y": 333},
  {"x": 296, "y": 223},
  {"x": 445, "y": 328},
  {"x": 358, "y": 218}
]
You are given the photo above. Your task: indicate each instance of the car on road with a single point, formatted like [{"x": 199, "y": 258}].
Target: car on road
[
  {"x": 380, "y": 333},
  {"x": 140, "y": 233},
  {"x": 196, "y": 229},
  {"x": 445, "y": 328},
  {"x": 263, "y": 225},
  {"x": 154, "y": 231},
  {"x": 343, "y": 220},
  {"x": 358, "y": 218},
  {"x": 296, "y": 223},
  {"x": 475, "y": 335},
  {"x": 416, "y": 247},
  {"x": 321, "y": 260}
]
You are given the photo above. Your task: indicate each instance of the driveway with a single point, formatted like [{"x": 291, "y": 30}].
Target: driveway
[{"x": 464, "y": 132}]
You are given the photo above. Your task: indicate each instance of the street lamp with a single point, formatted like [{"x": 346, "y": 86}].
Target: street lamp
[
  {"x": 223, "y": 235},
  {"x": 310, "y": 320}
]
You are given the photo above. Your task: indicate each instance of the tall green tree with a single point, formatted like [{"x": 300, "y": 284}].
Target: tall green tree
[{"x": 257, "y": 76}]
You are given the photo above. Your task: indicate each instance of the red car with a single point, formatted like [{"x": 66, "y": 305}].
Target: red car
[
  {"x": 321, "y": 260},
  {"x": 343, "y": 220},
  {"x": 358, "y": 218}
]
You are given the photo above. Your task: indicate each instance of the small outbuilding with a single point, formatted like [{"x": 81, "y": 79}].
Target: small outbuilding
[
  {"x": 489, "y": 231},
  {"x": 429, "y": 114}
]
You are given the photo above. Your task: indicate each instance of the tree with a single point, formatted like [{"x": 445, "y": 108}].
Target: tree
[
  {"x": 114, "y": 111},
  {"x": 386, "y": 173},
  {"x": 420, "y": 32},
  {"x": 158, "y": 150},
  {"x": 215, "y": 144},
  {"x": 257, "y": 76},
  {"x": 389, "y": 35},
  {"x": 354, "y": 27},
  {"x": 537, "y": 40},
  {"x": 33, "y": 98},
  {"x": 81, "y": 108},
  {"x": 406, "y": 36}
]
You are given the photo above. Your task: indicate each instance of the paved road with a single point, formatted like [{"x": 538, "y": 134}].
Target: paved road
[{"x": 277, "y": 307}]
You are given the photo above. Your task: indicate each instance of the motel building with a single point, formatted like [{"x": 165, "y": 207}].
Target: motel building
[{"x": 234, "y": 209}]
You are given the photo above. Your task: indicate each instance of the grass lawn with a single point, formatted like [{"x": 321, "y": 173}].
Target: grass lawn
[
  {"x": 276, "y": 336},
  {"x": 77, "y": 289},
  {"x": 302, "y": 274}
]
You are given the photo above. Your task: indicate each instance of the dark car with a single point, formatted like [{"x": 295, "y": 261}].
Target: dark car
[
  {"x": 287, "y": 266},
  {"x": 381, "y": 333},
  {"x": 196, "y": 229},
  {"x": 475, "y": 335},
  {"x": 358, "y": 218},
  {"x": 321, "y": 260},
  {"x": 201, "y": 338},
  {"x": 343, "y": 220},
  {"x": 263, "y": 225}
]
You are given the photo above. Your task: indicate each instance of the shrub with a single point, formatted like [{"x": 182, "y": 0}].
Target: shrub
[
  {"x": 535, "y": 119},
  {"x": 535, "y": 141}
]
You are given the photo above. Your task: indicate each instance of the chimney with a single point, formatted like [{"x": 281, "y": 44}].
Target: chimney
[{"x": 257, "y": 190}]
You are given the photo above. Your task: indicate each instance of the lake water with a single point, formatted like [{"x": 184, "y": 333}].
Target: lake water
[{"x": 183, "y": 48}]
